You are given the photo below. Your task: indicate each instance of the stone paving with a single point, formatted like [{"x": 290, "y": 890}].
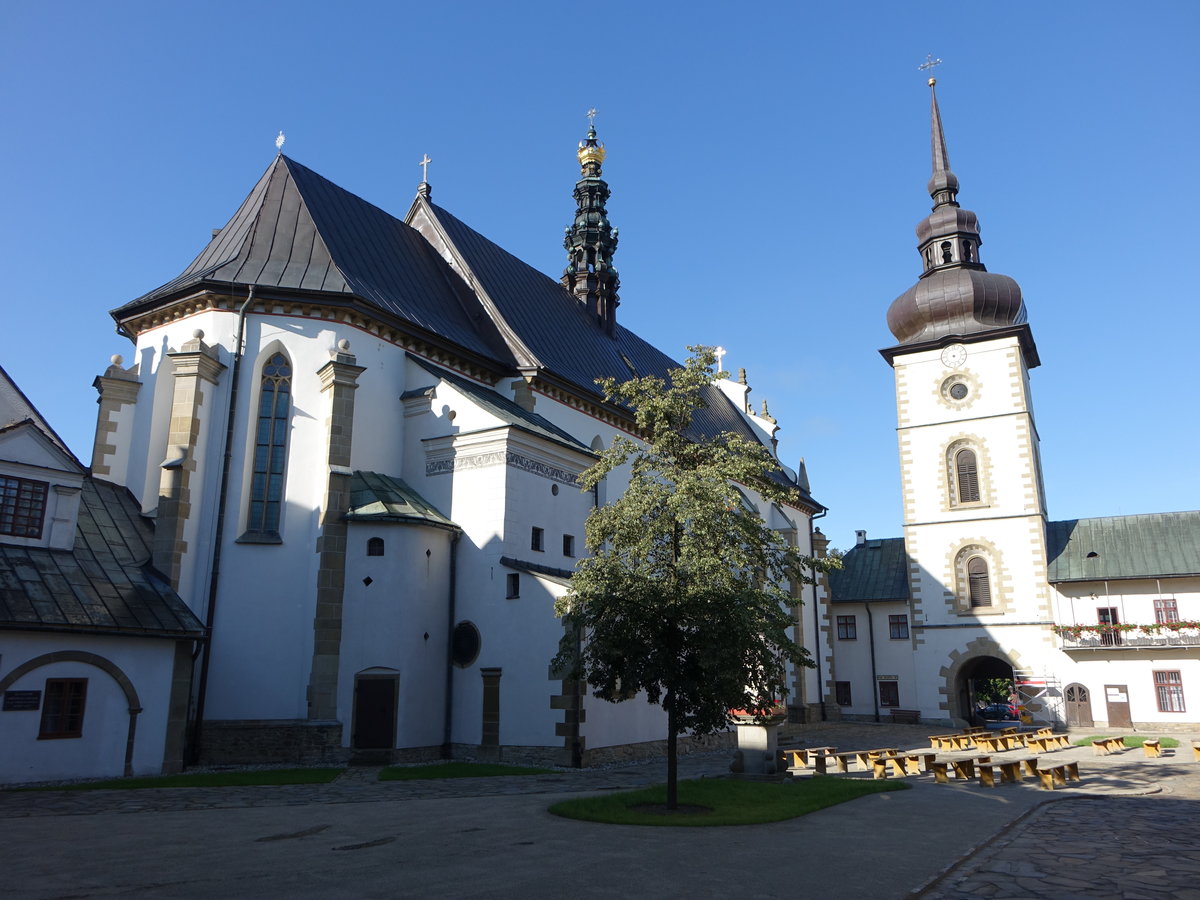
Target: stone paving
[{"x": 1127, "y": 830}]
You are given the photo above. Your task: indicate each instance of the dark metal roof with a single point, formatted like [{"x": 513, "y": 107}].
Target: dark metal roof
[
  {"x": 382, "y": 498},
  {"x": 17, "y": 409},
  {"x": 105, "y": 585},
  {"x": 876, "y": 570},
  {"x": 503, "y": 408},
  {"x": 566, "y": 339},
  {"x": 1116, "y": 547},
  {"x": 537, "y": 568},
  {"x": 298, "y": 231}
]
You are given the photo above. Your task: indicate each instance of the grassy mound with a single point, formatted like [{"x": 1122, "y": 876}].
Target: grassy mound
[{"x": 1131, "y": 740}]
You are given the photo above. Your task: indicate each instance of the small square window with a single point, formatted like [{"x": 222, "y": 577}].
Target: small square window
[
  {"x": 898, "y": 627},
  {"x": 847, "y": 628},
  {"x": 842, "y": 692},
  {"x": 568, "y": 545},
  {"x": 537, "y": 540},
  {"x": 62, "y": 708},
  {"x": 514, "y": 586},
  {"x": 889, "y": 693}
]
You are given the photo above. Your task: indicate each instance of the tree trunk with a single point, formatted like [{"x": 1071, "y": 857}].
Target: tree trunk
[{"x": 672, "y": 755}]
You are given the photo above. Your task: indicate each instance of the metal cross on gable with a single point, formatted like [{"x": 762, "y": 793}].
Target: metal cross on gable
[
  {"x": 929, "y": 64},
  {"x": 424, "y": 164}
]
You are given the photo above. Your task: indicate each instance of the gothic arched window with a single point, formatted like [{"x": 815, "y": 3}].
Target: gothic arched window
[
  {"x": 967, "y": 471},
  {"x": 979, "y": 587},
  {"x": 270, "y": 445}
]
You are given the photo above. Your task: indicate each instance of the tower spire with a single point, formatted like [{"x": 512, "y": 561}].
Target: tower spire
[
  {"x": 591, "y": 241},
  {"x": 956, "y": 294}
]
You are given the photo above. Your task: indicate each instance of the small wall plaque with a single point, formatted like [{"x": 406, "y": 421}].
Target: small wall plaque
[{"x": 19, "y": 701}]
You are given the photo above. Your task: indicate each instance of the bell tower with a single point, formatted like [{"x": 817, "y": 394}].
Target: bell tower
[{"x": 974, "y": 505}]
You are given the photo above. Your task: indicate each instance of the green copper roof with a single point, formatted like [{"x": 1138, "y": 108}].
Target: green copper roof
[
  {"x": 876, "y": 570},
  {"x": 1113, "y": 547},
  {"x": 381, "y": 498}
]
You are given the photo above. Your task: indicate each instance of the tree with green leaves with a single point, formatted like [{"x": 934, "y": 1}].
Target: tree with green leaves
[{"x": 685, "y": 594}]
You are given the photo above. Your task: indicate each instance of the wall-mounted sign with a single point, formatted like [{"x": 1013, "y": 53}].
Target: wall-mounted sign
[
  {"x": 887, "y": 677},
  {"x": 18, "y": 701}
]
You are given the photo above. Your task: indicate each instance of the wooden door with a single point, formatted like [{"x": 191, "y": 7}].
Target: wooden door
[
  {"x": 1107, "y": 615},
  {"x": 1117, "y": 697},
  {"x": 375, "y": 712},
  {"x": 1079, "y": 706}
]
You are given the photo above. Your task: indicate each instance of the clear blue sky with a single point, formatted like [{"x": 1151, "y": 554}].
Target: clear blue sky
[{"x": 767, "y": 161}]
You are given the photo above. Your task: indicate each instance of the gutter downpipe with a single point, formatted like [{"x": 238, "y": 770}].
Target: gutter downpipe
[
  {"x": 215, "y": 568},
  {"x": 452, "y": 607},
  {"x": 874, "y": 678},
  {"x": 817, "y": 614}
]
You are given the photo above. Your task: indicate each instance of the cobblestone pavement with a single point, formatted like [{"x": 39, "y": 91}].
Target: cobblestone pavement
[{"x": 1126, "y": 830}]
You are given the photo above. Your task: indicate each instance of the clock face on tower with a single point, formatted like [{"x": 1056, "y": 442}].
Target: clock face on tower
[{"x": 954, "y": 355}]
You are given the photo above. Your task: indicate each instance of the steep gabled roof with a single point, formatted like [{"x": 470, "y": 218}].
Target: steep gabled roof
[
  {"x": 1116, "y": 547},
  {"x": 17, "y": 409},
  {"x": 298, "y": 231},
  {"x": 104, "y": 585},
  {"x": 564, "y": 338},
  {"x": 874, "y": 571}
]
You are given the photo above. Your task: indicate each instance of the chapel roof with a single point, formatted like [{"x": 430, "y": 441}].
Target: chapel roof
[
  {"x": 375, "y": 497},
  {"x": 873, "y": 571},
  {"x": 103, "y": 585},
  {"x": 1118, "y": 547}
]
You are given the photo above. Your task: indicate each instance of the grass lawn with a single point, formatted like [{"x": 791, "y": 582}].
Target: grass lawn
[
  {"x": 1131, "y": 740},
  {"x": 724, "y": 801},
  {"x": 457, "y": 770},
  {"x": 204, "y": 779}
]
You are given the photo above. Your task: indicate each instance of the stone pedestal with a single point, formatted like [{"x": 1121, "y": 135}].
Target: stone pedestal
[{"x": 758, "y": 748}]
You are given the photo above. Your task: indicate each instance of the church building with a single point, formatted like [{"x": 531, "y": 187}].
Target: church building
[
  {"x": 1095, "y": 621},
  {"x": 358, "y": 439}
]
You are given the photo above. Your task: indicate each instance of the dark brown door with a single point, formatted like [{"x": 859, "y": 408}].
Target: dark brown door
[
  {"x": 1079, "y": 706},
  {"x": 375, "y": 712},
  {"x": 1107, "y": 615},
  {"x": 1117, "y": 697}
]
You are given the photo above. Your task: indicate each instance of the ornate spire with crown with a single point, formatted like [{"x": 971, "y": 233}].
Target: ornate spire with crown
[
  {"x": 591, "y": 241},
  {"x": 956, "y": 295}
]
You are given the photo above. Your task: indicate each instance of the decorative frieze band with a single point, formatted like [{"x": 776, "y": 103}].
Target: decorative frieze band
[{"x": 500, "y": 457}]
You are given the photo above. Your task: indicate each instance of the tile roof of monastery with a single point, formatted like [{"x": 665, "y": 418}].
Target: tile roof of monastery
[
  {"x": 1116, "y": 547},
  {"x": 298, "y": 233},
  {"x": 382, "y": 498},
  {"x": 876, "y": 570},
  {"x": 104, "y": 585}
]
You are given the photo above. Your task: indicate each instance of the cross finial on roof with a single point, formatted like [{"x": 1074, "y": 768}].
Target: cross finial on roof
[
  {"x": 424, "y": 164},
  {"x": 279, "y": 142},
  {"x": 928, "y": 66},
  {"x": 720, "y": 353}
]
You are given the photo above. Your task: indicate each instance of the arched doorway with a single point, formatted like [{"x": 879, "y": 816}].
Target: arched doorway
[
  {"x": 982, "y": 681},
  {"x": 1079, "y": 706}
]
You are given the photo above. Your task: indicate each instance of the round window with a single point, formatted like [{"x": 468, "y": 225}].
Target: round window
[
  {"x": 958, "y": 391},
  {"x": 464, "y": 644}
]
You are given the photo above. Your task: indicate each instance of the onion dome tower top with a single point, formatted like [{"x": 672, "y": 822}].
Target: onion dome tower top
[
  {"x": 591, "y": 241},
  {"x": 955, "y": 295}
]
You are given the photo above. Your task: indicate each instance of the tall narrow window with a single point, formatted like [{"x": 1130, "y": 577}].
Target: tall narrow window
[
  {"x": 967, "y": 468},
  {"x": 270, "y": 445},
  {"x": 979, "y": 587},
  {"x": 1106, "y": 617}
]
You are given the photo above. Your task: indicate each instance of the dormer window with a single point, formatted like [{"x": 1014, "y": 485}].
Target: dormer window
[{"x": 22, "y": 506}]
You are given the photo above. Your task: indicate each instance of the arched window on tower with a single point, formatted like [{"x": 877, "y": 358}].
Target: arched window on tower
[
  {"x": 270, "y": 446},
  {"x": 967, "y": 470},
  {"x": 967, "y": 251},
  {"x": 979, "y": 588},
  {"x": 947, "y": 252}
]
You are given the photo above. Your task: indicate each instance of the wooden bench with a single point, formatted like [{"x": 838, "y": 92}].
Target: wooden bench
[
  {"x": 906, "y": 717},
  {"x": 902, "y": 764},
  {"x": 1057, "y": 776},
  {"x": 1108, "y": 745},
  {"x": 864, "y": 758},
  {"x": 1044, "y": 743},
  {"x": 1011, "y": 770},
  {"x": 803, "y": 757},
  {"x": 1196, "y": 750},
  {"x": 1152, "y": 749}
]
